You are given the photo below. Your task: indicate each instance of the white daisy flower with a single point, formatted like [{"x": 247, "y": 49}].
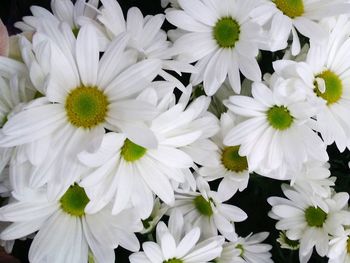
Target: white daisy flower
[
  {"x": 65, "y": 232},
  {"x": 124, "y": 171},
  {"x": 275, "y": 137},
  {"x": 176, "y": 245},
  {"x": 300, "y": 16},
  {"x": 324, "y": 77},
  {"x": 339, "y": 248},
  {"x": 226, "y": 162},
  {"x": 74, "y": 14},
  {"x": 314, "y": 178},
  {"x": 248, "y": 249},
  {"x": 309, "y": 224},
  {"x": 83, "y": 95},
  {"x": 206, "y": 209},
  {"x": 221, "y": 37},
  {"x": 146, "y": 36}
]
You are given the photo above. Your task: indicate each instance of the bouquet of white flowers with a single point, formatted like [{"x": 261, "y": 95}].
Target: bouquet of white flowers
[{"x": 160, "y": 133}]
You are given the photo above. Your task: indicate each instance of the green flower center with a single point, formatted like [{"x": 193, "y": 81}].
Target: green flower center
[
  {"x": 203, "y": 206},
  {"x": 74, "y": 200},
  {"x": 279, "y": 117},
  {"x": 334, "y": 87},
  {"x": 75, "y": 31},
  {"x": 291, "y": 8},
  {"x": 232, "y": 160},
  {"x": 173, "y": 260},
  {"x": 285, "y": 241},
  {"x": 86, "y": 107},
  {"x": 348, "y": 245},
  {"x": 226, "y": 32},
  {"x": 240, "y": 247},
  {"x": 315, "y": 217},
  {"x": 132, "y": 152}
]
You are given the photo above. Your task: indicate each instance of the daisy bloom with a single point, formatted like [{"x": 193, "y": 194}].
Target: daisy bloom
[
  {"x": 83, "y": 95},
  {"x": 275, "y": 137},
  {"x": 339, "y": 248},
  {"x": 65, "y": 231},
  {"x": 206, "y": 209},
  {"x": 309, "y": 224},
  {"x": 221, "y": 37},
  {"x": 176, "y": 245},
  {"x": 124, "y": 171},
  {"x": 299, "y": 16},
  {"x": 246, "y": 250},
  {"x": 324, "y": 77},
  {"x": 228, "y": 164},
  {"x": 75, "y": 15},
  {"x": 146, "y": 37}
]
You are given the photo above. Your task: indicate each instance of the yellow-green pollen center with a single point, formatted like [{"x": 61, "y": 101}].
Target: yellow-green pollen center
[
  {"x": 132, "y": 152},
  {"x": 173, "y": 260},
  {"x": 291, "y": 8},
  {"x": 86, "y": 107},
  {"x": 348, "y": 245},
  {"x": 232, "y": 161},
  {"x": 334, "y": 87},
  {"x": 315, "y": 216},
  {"x": 240, "y": 247},
  {"x": 203, "y": 206},
  {"x": 74, "y": 201},
  {"x": 226, "y": 32},
  {"x": 279, "y": 117}
]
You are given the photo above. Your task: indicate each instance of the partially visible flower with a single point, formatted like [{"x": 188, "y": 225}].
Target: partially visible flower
[
  {"x": 246, "y": 250},
  {"x": 308, "y": 223},
  {"x": 207, "y": 210},
  {"x": 339, "y": 248},
  {"x": 65, "y": 232},
  {"x": 175, "y": 244},
  {"x": 292, "y": 17},
  {"x": 286, "y": 243}
]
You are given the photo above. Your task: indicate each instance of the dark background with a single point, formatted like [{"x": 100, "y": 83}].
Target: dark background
[{"x": 252, "y": 200}]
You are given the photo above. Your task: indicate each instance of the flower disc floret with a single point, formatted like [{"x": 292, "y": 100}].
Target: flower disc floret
[
  {"x": 74, "y": 201},
  {"x": 232, "y": 161},
  {"x": 315, "y": 216},
  {"x": 203, "y": 206},
  {"x": 279, "y": 117},
  {"x": 86, "y": 107},
  {"x": 291, "y": 8},
  {"x": 334, "y": 87},
  {"x": 173, "y": 260},
  {"x": 132, "y": 152},
  {"x": 226, "y": 32}
]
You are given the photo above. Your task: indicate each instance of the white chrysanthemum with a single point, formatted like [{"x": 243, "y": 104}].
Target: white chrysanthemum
[
  {"x": 309, "y": 223},
  {"x": 339, "y": 248},
  {"x": 276, "y": 136},
  {"x": 314, "y": 178},
  {"x": 226, "y": 162},
  {"x": 324, "y": 77},
  {"x": 65, "y": 232},
  {"x": 82, "y": 96},
  {"x": 124, "y": 171},
  {"x": 302, "y": 16},
  {"x": 207, "y": 210},
  {"x": 146, "y": 36},
  {"x": 14, "y": 93},
  {"x": 176, "y": 245},
  {"x": 75, "y": 15},
  {"x": 246, "y": 250},
  {"x": 221, "y": 37}
]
